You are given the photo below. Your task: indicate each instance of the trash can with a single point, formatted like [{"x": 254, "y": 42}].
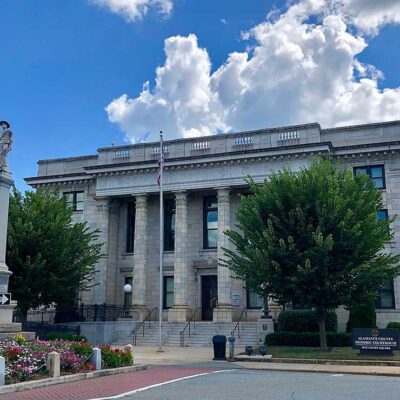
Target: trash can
[{"x": 219, "y": 343}]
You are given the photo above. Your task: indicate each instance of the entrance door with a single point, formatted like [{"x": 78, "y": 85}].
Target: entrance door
[{"x": 209, "y": 296}]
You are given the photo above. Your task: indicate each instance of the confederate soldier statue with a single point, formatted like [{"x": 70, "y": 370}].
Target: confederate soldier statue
[{"x": 6, "y": 141}]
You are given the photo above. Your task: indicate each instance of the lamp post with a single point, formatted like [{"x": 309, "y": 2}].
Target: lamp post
[{"x": 127, "y": 290}]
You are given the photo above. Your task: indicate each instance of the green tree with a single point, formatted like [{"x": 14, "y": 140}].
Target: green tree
[
  {"x": 312, "y": 237},
  {"x": 51, "y": 257}
]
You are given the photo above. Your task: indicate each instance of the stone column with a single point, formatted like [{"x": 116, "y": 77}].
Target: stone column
[
  {"x": 223, "y": 311},
  {"x": 96, "y": 212},
  {"x": 140, "y": 258},
  {"x": 179, "y": 312}
]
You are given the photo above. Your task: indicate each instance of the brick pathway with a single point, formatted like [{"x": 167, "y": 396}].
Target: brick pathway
[{"x": 105, "y": 386}]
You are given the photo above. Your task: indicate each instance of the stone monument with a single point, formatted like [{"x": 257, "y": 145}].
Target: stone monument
[{"x": 7, "y": 305}]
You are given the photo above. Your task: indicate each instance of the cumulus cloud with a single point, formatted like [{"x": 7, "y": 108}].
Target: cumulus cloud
[
  {"x": 133, "y": 10},
  {"x": 370, "y": 15},
  {"x": 294, "y": 72}
]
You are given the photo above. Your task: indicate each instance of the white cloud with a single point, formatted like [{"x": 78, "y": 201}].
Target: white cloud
[
  {"x": 369, "y": 15},
  {"x": 182, "y": 101},
  {"x": 133, "y": 10},
  {"x": 294, "y": 72}
]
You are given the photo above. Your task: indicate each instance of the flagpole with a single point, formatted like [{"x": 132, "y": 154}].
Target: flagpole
[{"x": 160, "y": 308}]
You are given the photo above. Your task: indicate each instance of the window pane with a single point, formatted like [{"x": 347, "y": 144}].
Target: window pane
[
  {"x": 387, "y": 299},
  {"x": 376, "y": 172},
  {"x": 212, "y": 219},
  {"x": 169, "y": 284},
  {"x": 255, "y": 300},
  {"x": 378, "y": 183},
  {"x": 69, "y": 197},
  {"x": 79, "y": 206},
  {"x": 212, "y": 202},
  {"x": 360, "y": 171},
  {"x": 79, "y": 196},
  {"x": 382, "y": 215},
  {"x": 169, "y": 300},
  {"x": 212, "y": 238}
]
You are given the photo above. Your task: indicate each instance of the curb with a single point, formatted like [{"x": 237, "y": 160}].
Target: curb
[
  {"x": 19, "y": 387},
  {"x": 324, "y": 371},
  {"x": 323, "y": 361}
]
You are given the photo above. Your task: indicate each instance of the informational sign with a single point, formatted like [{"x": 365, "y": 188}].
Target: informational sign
[
  {"x": 375, "y": 341},
  {"x": 3, "y": 288},
  {"x": 5, "y": 299},
  {"x": 236, "y": 300}
]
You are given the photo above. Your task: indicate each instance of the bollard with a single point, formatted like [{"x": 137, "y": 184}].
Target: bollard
[
  {"x": 129, "y": 348},
  {"x": 53, "y": 364},
  {"x": 231, "y": 340},
  {"x": 2, "y": 371},
  {"x": 95, "y": 358}
]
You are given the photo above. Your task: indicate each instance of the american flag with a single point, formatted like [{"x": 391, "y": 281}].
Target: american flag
[{"x": 160, "y": 163}]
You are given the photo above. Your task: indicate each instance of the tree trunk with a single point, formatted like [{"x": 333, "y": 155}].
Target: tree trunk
[{"x": 322, "y": 330}]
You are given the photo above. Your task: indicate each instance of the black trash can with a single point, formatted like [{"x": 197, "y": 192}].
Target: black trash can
[{"x": 219, "y": 343}]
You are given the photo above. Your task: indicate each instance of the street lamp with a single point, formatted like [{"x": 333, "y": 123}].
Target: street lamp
[
  {"x": 127, "y": 301},
  {"x": 127, "y": 288}
]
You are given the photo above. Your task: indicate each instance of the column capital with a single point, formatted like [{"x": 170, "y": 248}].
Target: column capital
[
  {"x": 181, "y": 197},
  {"x": 101, "y": 202},
  {"x": 223, "y": 194},
  {"x": 141, "y": 199}
]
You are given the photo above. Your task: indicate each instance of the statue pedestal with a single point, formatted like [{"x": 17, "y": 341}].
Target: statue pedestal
[{"x": 7, "y": 327}]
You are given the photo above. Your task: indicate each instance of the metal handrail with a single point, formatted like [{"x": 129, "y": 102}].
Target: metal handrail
[
  {"x": 142, "y": 324},
  {"x": 244, "y": 311},
  {"x": 182, "y": 332}
]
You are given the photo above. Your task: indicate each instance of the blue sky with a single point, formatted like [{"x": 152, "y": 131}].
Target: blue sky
[{"x": 63, "y": 62}]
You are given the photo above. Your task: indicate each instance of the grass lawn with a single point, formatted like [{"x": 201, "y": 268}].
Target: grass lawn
[{"x": 337, "y": 353}]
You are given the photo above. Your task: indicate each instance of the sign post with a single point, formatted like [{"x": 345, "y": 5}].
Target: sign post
[{"x": 373, "y": 341}]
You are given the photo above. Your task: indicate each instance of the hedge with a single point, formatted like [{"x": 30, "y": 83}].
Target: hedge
[
  {"x": 305, "y": 321},
  {"x": 393, "y": 325},
  {"x": 307, "y": 339},
  {"x": 70, "y": 337}
]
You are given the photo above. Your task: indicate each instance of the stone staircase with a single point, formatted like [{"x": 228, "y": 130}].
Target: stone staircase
[{"x": 201, "y": 334}]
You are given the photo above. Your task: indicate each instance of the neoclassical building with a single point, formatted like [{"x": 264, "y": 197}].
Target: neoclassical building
[{"x": 116, "y": 192}]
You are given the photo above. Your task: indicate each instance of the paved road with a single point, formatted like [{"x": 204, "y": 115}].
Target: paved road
[
  {"x": 241, "y": 384},
  {"x": 217, "y": 380}
]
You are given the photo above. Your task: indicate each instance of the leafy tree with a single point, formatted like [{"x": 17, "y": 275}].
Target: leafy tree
[
  {"x": 312, "y": 237},
  {"x": 50, "y": 257}
]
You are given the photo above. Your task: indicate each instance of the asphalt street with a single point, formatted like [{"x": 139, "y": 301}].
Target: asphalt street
[{"x": 270, "y": 385}]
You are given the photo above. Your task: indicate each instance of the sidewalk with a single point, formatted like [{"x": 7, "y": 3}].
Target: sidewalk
[
  {"x": 333, "y": 369},
  {"x": 193, "y": 355}
]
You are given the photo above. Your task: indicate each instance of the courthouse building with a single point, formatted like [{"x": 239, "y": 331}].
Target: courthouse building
[{"x": 116, "y": 191}]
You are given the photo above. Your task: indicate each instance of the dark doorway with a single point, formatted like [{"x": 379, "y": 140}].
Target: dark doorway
[{"x": 209, "y": 296}]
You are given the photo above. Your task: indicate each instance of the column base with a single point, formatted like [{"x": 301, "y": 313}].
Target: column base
[
  {"x": 178, "y": 314},
  {"x": 223, "y": 313},
  {"x": 138, "y": 312}
]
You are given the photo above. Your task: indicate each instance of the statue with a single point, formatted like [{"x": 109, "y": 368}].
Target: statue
[{"x": 6, "y": 142}]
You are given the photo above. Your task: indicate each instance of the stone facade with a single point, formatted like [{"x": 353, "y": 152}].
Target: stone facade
[{"x": 196, "y": 169}]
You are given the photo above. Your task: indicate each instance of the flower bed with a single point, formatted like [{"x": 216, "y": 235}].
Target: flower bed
[{"x": 27, "y": 360}]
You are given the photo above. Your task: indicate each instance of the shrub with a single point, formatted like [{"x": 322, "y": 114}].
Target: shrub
[
  {"x": 115, "y": 358},
  {"x": 82, "y": 348},
  {"x": 307, "y": 339},
  {"x": 305, "y": 321},
  {"x": 393, "y": 325},
  {"x": 69, "y": 337},
  {"x": 362, "y": 316}
]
